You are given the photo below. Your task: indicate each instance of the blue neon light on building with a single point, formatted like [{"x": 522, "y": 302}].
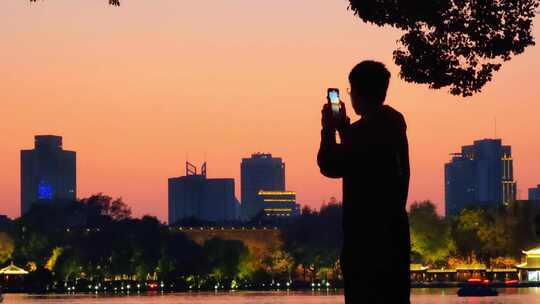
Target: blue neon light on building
[{"x": 45, "y": 191}]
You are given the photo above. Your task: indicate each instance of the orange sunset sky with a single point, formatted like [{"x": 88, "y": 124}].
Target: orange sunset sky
[{"x": 137, "y": 89}]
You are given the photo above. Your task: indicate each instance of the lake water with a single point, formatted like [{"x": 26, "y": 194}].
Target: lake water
[{"x": 420, "y": 296}]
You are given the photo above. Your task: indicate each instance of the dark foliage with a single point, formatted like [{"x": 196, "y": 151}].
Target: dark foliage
[
  {"x": 315, "y": 238},
  {"x": 453, "y": 43},
  {"x": 95, "y": 239}
]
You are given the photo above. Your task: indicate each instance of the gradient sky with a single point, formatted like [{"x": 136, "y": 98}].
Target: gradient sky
[{"x": 138, "y": 89}]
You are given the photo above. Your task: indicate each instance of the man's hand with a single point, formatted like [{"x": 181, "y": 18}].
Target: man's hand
[{"x": 334, "y": 122}]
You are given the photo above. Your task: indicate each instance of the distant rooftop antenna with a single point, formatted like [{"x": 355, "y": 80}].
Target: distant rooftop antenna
[
  {"x": 190, "y": 169},
  {"x": 203, "y": 166},
  {"x": 203, "y": 169}
]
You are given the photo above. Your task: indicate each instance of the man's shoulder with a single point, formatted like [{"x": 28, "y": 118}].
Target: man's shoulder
[
  {"x": 393, "y": 112},
  {"x": 357, "y": 126},
  {"x": 356, "y": 123},
  {"x": 395, "y": 117}
]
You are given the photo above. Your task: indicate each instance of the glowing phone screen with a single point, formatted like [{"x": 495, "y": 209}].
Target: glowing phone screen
[{"x": 333, "y": 96}]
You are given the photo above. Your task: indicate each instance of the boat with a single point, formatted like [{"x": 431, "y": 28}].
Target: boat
[{"x": 477, "y": 289}]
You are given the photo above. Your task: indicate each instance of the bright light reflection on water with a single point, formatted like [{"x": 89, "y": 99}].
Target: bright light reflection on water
[{"x": 420, "y": 296}]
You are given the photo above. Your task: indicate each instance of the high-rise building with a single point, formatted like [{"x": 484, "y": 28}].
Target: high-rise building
[
  {"x": 259, "y": 172},
  {"x": 194, "y": 196},
  {"x": 278, "y": 204},
  {"x": 534, "y": 193},
  {"x": 480, "y": 176},
  {"x": 47, "y": 172}
]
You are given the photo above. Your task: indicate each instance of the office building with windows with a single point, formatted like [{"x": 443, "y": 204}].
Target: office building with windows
[
  {"x": 48, "y": 172},
  {"x": 260, "y": 172},
  {"x": 481, "y": 175},
  {"x": 194, "y": 196},
  {"x": 278, "y": 204}
]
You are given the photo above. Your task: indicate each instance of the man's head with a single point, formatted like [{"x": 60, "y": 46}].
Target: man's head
[{"x": 369, "y": 83}]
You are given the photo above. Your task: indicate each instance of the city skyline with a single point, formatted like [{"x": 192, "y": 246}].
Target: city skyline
[
  {"x": 490, "y": 152},
  {"x": 48, "y": 172},
  {"x": 256, "y": 85}
]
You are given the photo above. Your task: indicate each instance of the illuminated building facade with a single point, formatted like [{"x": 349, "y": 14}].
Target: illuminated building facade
[
  {"x": 47, "y": 172},
  {"x": 194, "y": 196},
  {"x": 534, "y": 193},
  {"x": 278, "y": 204},
  {"x": 259, "y": 172},
  {"x": 482, "y": 175}
]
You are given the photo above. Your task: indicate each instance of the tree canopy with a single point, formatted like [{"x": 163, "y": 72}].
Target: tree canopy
[
  {"x": 6, "y": 247},
  {"x": 457, "y": 44},
  {"x": 431, "y": 239},
  {"x": 95, "y": 240}
]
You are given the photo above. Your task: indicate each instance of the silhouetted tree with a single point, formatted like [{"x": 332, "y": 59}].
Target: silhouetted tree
[
  {"x": 180, "y": 256},
  {"x": 453, "y": 43},
  {"x": 106, "y": 206},
  {"x": 224, "y": 257},
  {"x": 523, "y": 216},
  {"x": 314, "y": 239}
]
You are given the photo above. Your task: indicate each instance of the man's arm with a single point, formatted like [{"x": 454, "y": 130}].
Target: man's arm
[{"x": 331, "y": 156}]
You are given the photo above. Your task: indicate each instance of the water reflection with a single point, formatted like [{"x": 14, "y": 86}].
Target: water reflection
[{"x": 420, "y": 296}]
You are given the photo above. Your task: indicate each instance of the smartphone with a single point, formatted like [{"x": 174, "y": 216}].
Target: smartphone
[{"x": 333, "y": 100}]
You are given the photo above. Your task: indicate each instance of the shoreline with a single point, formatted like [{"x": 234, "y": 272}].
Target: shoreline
[
  {"x": 415, "y": 286},
  {"x": 461, "y": 284}
]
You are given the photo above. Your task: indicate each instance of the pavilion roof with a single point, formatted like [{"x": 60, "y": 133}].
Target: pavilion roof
[
  {"x": 442, "y": 270},
  {"x": 418, "y": 267},
  {"x": 502, "y": 270},
  {"x": 12, "y": 269},
  {"x": 527, "y": 266},
  {"x": 535, "y": 252},
  {"x": 471, "y": 267}
]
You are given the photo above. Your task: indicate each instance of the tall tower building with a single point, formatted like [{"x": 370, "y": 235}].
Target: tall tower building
[
  {"x": 482, "y": 175},
  {"x": 259, "y": 172},
  {"x": 47, "y": 172},
  {"x": 194, "y": 196}
]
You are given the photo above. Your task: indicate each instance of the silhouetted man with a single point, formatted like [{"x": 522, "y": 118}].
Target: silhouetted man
[{"x": 373, "y": 160}]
